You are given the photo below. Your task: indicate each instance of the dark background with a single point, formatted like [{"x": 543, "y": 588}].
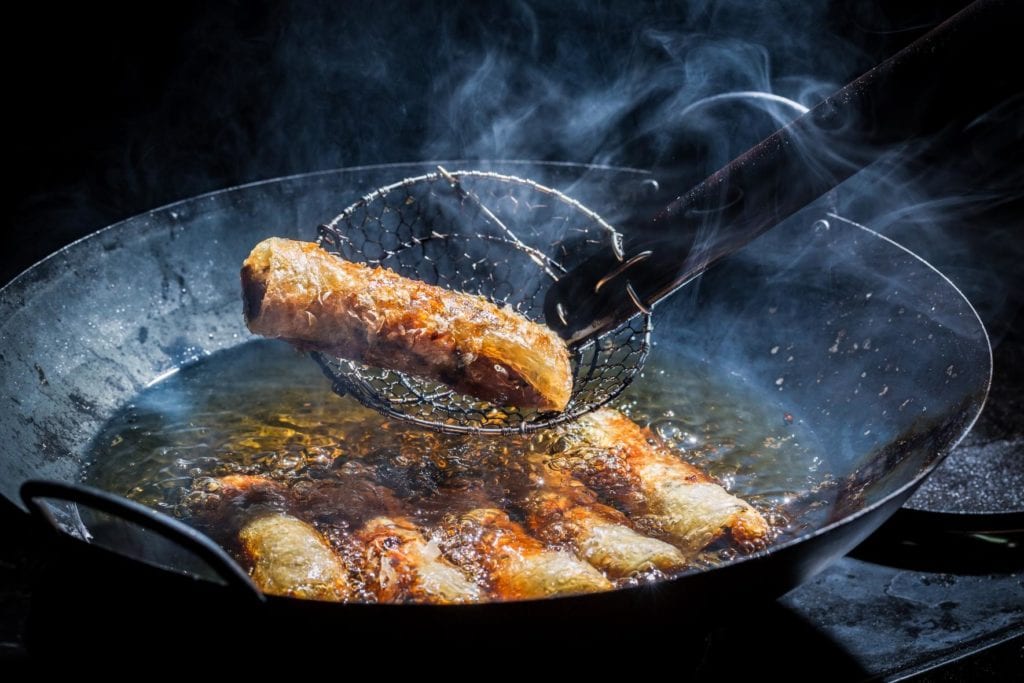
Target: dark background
[{"x": 113, "y": 110}]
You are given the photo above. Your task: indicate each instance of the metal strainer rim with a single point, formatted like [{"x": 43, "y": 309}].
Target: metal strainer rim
[{"x": 347, "y": 376}]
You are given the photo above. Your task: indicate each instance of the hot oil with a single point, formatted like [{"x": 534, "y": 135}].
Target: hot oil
[{"x": 263, "y": 409}]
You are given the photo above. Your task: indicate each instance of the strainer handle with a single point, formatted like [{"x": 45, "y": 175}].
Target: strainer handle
[{"x": 950, "y": 76}]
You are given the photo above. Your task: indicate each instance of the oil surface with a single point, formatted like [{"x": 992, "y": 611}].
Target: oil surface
[{"x": 264, "y": 409}]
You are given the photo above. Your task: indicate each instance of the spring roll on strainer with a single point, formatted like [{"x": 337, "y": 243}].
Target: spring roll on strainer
[{"x": 298, "y": 292}]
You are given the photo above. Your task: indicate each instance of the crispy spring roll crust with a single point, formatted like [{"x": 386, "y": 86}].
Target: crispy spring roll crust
[
  {"x": 400, "y": 565},
  {"x": 298, "y": 292},
  {"x": 516, "y": 565},
  {"x": 220, "y": 506},
  {"x": 242, "y": 490},
  {"x": 291, "y": 558},
  {"x": 612, "y": 454},
  {"x": 563, "y": 511}
]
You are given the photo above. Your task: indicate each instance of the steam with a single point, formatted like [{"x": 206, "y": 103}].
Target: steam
[
  {"x": 614, "y": 85},
  {"x": 681, "y": 87},
  {"x": 959, "y": 206}
]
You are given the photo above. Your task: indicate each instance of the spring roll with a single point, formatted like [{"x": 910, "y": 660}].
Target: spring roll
[
  {"x": 291, "y": 558},
  {"x": 219, "y": 506},
  {"x": 237, "y": 489},
  {"x": 346, "y": 500},
  {"x": 396, "y": 562},
  {"x": 516, "y": 566},
  {"x": 619, "y": 459},
  {"x": 562, "y": 511},
  {"x": 298, "y": 292},
  {"x": 400, "y": 565}
]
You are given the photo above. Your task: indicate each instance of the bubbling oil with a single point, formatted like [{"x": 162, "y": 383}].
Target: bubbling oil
[{"x": 263, "y": 409}]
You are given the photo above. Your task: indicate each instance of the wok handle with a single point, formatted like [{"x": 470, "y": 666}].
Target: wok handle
[
  {"x": 953, "y": 74},
  {"x": 185, "y": 537}
]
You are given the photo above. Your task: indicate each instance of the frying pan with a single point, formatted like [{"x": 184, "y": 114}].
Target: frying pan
[{"x": 884, "y": 361}]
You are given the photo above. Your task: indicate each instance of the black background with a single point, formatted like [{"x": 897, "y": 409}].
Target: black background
[{"x": 112, "y": 110}]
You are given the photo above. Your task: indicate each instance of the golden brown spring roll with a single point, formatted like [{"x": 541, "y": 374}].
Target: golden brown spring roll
[
  {"x": 400, "y": 565},
  {"x": 291, "y": 558},
  {"x": 561, "y": 510},
  {"x": 347, "y": 500},
  {"x": 396, "y": 562},
  {"x": 252, "y": 487},
  {"x": 298, "y": 292},
  {"x": 618, "y": 458},
  {"x": 220, "y": 506},
  {"x": 516, "y": 566}
]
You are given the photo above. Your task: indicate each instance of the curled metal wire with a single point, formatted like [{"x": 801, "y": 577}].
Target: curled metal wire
[{"x": 504, "y": 238}]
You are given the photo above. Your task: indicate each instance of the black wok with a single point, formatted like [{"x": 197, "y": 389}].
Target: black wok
[{"x": 884, "y": 360}]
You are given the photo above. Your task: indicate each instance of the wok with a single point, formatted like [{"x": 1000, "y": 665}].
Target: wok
[{"x": 884, "y": 360}]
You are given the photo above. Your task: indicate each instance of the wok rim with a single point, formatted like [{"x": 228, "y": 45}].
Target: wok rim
[
  {"x": 308, "y": 174},
  {"x": 905, "y": 490}
]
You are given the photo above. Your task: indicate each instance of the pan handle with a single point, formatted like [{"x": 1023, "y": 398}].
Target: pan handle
[{"x": 171, "y": 530}]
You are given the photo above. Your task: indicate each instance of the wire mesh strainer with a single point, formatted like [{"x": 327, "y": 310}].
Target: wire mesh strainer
[{"x": 505, "y": 238}]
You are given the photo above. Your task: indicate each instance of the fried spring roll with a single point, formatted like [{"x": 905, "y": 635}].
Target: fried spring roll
[
  {"x": 291, "y": 558},
  {"x": 397, "y": 563},
  {"x": 251, "y": 487},
  {"x": 486, "y": 542},
  {"x": 298, "y": 292},
  {"x": 348, "y": 500},
  {"x": 561, "y": 510},
  {"x": 220, "y": 506},
  {"x": 400, "y": 565},
  {"x": 617, "y": 457}
]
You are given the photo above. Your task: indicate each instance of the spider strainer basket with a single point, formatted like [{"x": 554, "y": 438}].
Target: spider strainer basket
[{"x": 504, "y": 238}]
